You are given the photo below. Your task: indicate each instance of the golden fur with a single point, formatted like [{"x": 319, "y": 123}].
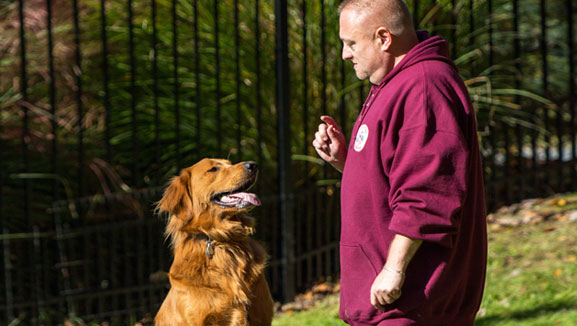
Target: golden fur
[{"x": 223, "y": 285}]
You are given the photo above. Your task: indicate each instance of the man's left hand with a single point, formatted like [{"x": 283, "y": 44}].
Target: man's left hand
[{"x": 386, "y": 288}]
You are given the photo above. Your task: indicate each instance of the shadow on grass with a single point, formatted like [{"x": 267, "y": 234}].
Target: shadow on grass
[{"x": 520, "y": 315}]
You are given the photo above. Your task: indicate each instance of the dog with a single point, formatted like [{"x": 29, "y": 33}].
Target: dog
[{"x": 217, "y": 273}]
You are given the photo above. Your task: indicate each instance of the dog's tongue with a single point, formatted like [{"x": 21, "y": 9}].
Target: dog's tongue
[{"x": 246, "y": 197}]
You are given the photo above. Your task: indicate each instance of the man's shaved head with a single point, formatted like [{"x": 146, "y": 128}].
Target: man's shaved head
[{"x": 391, "y": 14}]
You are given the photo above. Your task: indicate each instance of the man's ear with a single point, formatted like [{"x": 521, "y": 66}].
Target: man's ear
[
  {"x": 385, "y": 37},
  {"x": 176, "y": 199}
]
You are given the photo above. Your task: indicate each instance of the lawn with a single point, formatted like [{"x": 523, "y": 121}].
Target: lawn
[{"x": 531, "y": 273}]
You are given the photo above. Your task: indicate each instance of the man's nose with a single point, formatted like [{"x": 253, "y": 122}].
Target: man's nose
[{"x": 346, "y": 55}]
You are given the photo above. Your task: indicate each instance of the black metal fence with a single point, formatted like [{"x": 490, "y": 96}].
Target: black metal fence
[{"x": 103, "y": 100}]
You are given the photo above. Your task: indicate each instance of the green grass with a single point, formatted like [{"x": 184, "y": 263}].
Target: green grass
[
  {"x": 531, "y": 279},
  {"x": 325, "y": 313},
  {"x": 532, "y": 276}
]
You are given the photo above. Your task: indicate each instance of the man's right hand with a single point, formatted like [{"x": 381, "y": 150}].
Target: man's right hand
[{"x": 330, "y": 143}]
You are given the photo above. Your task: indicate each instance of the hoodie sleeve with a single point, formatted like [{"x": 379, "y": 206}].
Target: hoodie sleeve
[{"x": 427, "y": 176}]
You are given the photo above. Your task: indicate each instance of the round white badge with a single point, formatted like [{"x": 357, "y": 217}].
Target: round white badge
[{"x": 361, "y": 138}]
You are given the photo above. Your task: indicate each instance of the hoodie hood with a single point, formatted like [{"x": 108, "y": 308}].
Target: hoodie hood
[{"x": 428, "y": 48}]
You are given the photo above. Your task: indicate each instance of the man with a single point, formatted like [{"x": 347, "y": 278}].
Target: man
[{"x": 413, "y": 237}]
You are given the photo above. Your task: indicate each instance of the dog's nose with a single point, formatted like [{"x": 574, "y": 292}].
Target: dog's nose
[{"x": 251, "y": 166}]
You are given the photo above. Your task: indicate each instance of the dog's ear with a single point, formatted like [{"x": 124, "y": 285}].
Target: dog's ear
[{"x": 176, "y": 199}]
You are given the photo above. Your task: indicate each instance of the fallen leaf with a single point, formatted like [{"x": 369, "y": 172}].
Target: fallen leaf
[
  {"x": 308, "y": 295},
  {"x": 570, "y": 259},
  {"x": 322, "y": 288}
]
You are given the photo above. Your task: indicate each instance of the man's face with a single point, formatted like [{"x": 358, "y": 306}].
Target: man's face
[{"x": 361, "y": 46}]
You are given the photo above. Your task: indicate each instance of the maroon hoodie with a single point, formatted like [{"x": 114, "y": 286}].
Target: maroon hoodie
[{"x": 413, "y": 168}]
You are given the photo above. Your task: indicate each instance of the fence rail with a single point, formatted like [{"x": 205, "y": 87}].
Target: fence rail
[{"x": 101, "y": 101}]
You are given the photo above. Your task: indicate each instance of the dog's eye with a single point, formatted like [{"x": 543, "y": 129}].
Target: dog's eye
[{"x": 213, "y": 169}]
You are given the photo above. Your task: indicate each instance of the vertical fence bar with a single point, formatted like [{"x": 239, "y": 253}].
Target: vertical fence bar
[
  {"x": 490, "y": 159},
  {"x": 324, "y": 60},
  {"x": 416, "y": 13},
  {"x": 318, "y": 234},
  {"x": 237, "y": 79},
  {"x": 175, "y": 77},
  {"x": 534, "y": 180},
  {"x": 471, "y": 32},
  {"x": 284, "y": 152},
  {"x": 62, "y": 266},
  {"x": 323, "y": 85},
  {"x": 134, "y": 113},
  {"x": 127, "y": 266},
  {"x": 25, "y": 113},
  {"x": 310, "y": 217},
  {"x": 37, "y": 281},
  {"x": 453, "y": 30},
  {"x": 115, "y": 260},
  {"x": 52, "y": 99},
  {"x": 197, "y": 82},
  {"x": 54, "y": 165},
  {"x": 307, "y": 239},
  {"x": 519, "y": 72},
  {"x": 140, "y": 254},
  {"x": 79, "y": 104},
  {"x": 155, "y": 260},
  {"x": 85, "y": 239},
  {"x": 432, "y": 21},
  {"x": 22, "y": 261},
  {"x": 218, "y": 120},
  {"x": 490, "y": 32},
  {"x": 257, "y": 58},
  {"x": 100, "y": 235},
  {"x": 507, "y": 146},
  {"x": 562, "y": 185},
  {"x": 154, "y": 45},
  {"x": 545, "y": 86},
  {"x": 305, "y": 85},
  {"x": 571, "y": 56},
  {"x": 2, "y": 217},
  {"x": 7, "y": 266},
  {"x": 507, "y": 162},
  {"x": 105, "y": 81},
  {"x": 2, "y": 220}
]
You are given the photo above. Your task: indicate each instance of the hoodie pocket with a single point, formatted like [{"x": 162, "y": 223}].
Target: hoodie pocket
[{"x": 357, "y": 277}]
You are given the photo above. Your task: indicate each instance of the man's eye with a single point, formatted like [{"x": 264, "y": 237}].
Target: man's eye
[{"x": 213, "y": 169}]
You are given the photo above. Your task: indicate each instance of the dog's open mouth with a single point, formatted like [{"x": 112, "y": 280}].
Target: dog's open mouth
[{"x": 236, "y": 198}]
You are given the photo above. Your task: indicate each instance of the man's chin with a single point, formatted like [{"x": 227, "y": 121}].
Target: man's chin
[{"x": 361, "y": 75}]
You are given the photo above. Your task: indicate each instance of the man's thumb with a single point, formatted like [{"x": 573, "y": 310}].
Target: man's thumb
[
  {"x": 329, "y": 120},
  {"x": 333, "y": 131}
]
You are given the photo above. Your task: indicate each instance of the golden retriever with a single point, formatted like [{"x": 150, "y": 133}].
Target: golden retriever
[{"x": 217, "y": 273}]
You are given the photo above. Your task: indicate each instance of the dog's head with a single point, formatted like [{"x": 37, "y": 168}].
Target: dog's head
[{"x": 210, "y": 191}]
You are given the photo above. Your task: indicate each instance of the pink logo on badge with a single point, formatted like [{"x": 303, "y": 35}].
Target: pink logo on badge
[{"x": 361, "y": 138}]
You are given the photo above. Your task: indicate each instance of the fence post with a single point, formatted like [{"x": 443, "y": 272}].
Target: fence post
[{"x": 283, "y": 139}]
